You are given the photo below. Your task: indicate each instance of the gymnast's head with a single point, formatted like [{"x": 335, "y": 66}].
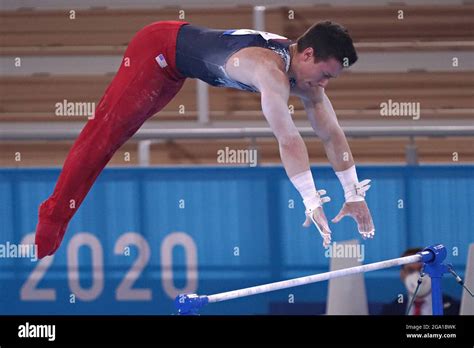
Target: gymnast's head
[{"x": 321, "y": 53}]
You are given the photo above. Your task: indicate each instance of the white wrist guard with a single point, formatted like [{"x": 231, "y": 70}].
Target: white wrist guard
[
  {"x": 304, "y": 183},
  {"x": 354, "y": 191},
  {"x": 316, "y": 201}
]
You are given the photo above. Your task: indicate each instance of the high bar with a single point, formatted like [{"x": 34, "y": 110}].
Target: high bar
[{"x": 190, "y": 303}]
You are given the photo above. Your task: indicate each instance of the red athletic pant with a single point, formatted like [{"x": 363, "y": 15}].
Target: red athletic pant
[{"x": 146, "y": 81}]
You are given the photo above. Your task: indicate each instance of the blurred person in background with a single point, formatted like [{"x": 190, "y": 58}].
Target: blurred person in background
[{"x": 422, "y": 304}]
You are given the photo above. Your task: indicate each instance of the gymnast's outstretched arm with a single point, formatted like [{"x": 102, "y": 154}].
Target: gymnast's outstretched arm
[
  {"x": 324, "y": 122},
  {"x": 275, "y": 90}
]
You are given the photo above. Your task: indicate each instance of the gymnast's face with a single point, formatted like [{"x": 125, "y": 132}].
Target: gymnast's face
[{"x": 310, "y": 73}]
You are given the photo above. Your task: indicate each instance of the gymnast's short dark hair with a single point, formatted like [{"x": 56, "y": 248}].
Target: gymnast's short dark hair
[{"x": 329, "y": 40}]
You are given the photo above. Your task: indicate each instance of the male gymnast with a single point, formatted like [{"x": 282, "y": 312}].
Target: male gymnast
[{"x": 156, "y": 63}]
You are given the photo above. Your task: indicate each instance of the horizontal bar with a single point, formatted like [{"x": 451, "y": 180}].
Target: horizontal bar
[{"x": 254, "y": 290}]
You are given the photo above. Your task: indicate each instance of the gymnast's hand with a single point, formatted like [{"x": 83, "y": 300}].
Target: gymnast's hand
[
  {"x": 359, "y": 211},
  {"x": 318, "y": 217}
]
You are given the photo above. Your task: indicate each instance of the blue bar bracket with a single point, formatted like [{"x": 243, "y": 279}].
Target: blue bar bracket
[
  {"x": 190, "y": 304},
  {"x": 433, "y": 257}
]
